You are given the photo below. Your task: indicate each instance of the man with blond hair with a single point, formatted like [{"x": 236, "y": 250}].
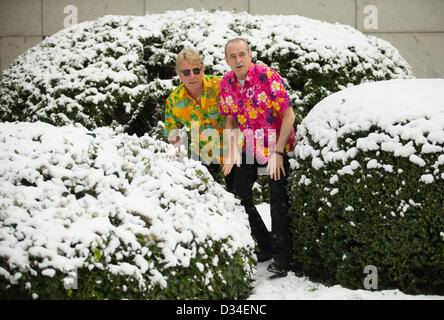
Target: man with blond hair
[{"x": 194, "y": 104}]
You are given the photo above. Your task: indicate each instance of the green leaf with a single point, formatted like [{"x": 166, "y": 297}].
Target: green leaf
[{"x": 97, "y": 254}]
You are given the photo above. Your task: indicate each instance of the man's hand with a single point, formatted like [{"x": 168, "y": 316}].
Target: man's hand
[
  {"x": 234, "y": 158},
  {"x": 175, "y": 141},
  {"x": 276, "y": 161},
  {"x": 275, "y": 166},
  {"x": 262, "y": 64}
]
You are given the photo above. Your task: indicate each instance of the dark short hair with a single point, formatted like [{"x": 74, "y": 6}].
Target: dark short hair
[{"x": 234, "y": 40}]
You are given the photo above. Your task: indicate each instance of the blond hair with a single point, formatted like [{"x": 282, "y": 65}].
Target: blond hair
[{"x": 189, "y": 54}]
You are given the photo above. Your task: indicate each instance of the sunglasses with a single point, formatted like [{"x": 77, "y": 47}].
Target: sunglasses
[{"x": 187, "y": 72}]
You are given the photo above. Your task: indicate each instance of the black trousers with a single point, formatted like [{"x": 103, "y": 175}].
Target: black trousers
[
  {"x": 214, "y": 170},
  {"x": 279, "y": 241}
]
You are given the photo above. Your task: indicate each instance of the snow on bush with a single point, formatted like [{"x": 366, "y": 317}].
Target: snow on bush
[
  {"x": 118, "y": 214},
  {"x": 120, "y": 69},
  {"x": 367, "y": 186}
]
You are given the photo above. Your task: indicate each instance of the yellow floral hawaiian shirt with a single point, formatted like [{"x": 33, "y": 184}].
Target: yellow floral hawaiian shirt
[{"x": 204, "y": 121}]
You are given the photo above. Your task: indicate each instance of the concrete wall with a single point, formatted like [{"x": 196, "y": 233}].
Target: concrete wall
[{"x": 415, "y": 27}]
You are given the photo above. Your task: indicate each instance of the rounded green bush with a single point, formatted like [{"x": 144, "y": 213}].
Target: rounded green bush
[
  {"x": 366, "y": 188},
  {"x": 120, "y": 69},
  {"x": 117, "y": 216}
]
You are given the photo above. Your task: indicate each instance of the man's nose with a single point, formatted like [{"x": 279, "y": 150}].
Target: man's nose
[{"x": 194, "y": 77}]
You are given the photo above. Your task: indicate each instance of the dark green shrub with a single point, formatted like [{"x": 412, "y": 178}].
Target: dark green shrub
[
  {"x": 367, "y": 184},
  {"x": 120, "y": 213}
]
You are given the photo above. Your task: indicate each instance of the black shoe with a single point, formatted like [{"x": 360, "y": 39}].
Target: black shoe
[
  {"x": 263, "y": 256},
  {"x": 279, "y": 268}
]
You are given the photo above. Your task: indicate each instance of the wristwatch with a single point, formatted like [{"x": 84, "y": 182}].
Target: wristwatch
[{"x": 279, "y": 153}]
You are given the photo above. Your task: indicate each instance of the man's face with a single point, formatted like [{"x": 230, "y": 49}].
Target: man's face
[
  {"x": 193, "y": 80},
  {"x": 238, "y": 58}
]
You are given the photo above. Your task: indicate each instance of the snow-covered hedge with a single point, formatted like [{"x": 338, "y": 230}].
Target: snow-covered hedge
[
  {"x": 120, "y": 69},
  {"x": 367, "y": 187},
  {"x": 116, "y": 215}
]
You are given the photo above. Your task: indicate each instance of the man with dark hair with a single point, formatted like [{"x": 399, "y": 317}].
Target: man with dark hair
[{"x": 254, "y": 100}]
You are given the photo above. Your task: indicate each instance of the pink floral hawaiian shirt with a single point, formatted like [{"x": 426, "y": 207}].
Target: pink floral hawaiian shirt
[{"x": 258, "y": 108}]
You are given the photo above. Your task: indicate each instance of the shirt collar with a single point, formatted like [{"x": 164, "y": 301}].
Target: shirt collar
[
  {"x": 248, "y": 77},
  {"x": 205, "y": 85},
  {"x": 205, "y": 82}
]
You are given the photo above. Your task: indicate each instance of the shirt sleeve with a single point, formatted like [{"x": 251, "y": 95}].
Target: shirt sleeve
[
  {"x": 170, "y": 119},
  {"x": 278, "y": 94},
  {"x": 224, "y": 109}
]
